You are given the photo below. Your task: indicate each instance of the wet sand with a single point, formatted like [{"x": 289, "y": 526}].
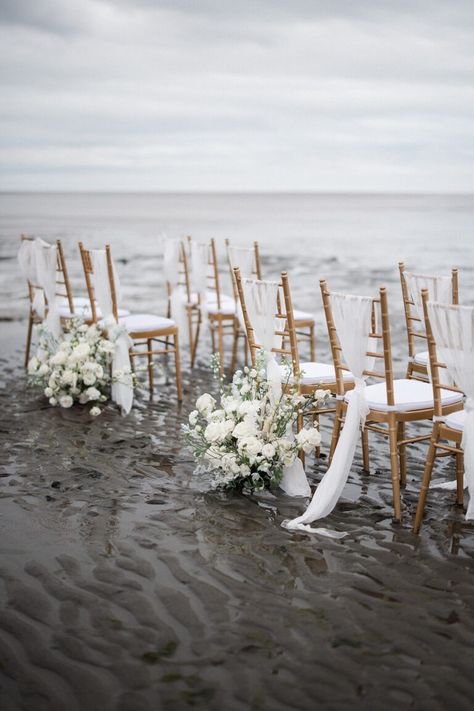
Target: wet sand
[{"x": 126, "y": 585}]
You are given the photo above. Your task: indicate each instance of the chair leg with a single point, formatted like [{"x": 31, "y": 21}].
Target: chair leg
[
  {"x": 299, "y": 427},
  {"x": 317, "y": 451},
  {"x": 312, "y": 345},
  {"x": 402, "y": 455},
  {"x": 195, "y": 340},
  {"x": 190, "y": 333},
  {"x": 28, "y": 339},
  {"x": 235, "y": 345},
  {"x": 336, "y": 430},
  {"x": 149, "y": 346},
  {"x": 365, "y": 450},
  {"x": 459, "y": 478},
  {"x": 392, "y": 435},
  {"x": 425, "y": 484},
  {"x": 177, "y": 362},
  {"x": 220, "y": 340}
]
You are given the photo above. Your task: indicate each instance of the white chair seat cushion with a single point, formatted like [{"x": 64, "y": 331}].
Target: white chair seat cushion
[
  {"x": 456, "y": 420},
  {"x": 227, "y": 308},
  {"x": 138, "y": 323},
  {"x": 83, "y": 310},
  {"x": 314, "y": 373},
  {"x": 421, "y": 358},
  {"x": 408, "y": 395},
  {"x": 211, "y": 298},
  {"x": 302, "y": 315}
]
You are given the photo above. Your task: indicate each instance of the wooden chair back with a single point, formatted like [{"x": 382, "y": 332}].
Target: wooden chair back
[
  {"x": 256, "y": 270},
  {"x": 436, "y": 366},
  {"x": 88, "y": 273},
  {"x": 63, "y": 285},
  {"x": 380, "y": 339},
  {"x": 283, "y": 311},
  {"x": 414, "y": 324}
]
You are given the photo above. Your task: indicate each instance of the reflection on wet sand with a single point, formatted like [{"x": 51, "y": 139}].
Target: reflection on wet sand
[{"x": 126, "y": 584}]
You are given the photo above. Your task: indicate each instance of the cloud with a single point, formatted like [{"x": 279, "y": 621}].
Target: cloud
[{"x": 261, "y": 95}]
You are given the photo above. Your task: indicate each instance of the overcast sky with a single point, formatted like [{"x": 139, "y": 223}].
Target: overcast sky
[{"x": 334, "y": 95}]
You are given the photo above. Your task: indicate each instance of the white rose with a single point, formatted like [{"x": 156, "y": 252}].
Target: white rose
[
  {"x": 308, "y": 439},
  {"x": 252, "y": 445},
  {"x": 43, "y": 369},
  {"x": 205, "y": 403},
  {"x": 92, "y": 394},
  {"x": 89, "y": 378},
  {"x": 321, "y": 394},
  {"x": 59, "y": 358},
  {"x": 230, "y": 404},
  {"x": 246, "y": 428},
  {"x": 245, "y": 389},
  {"x": 249, "y": 407},
  {"x": 229, "y": 462},
  {"x": 193, "y": 417},
  {"x": 268, "y": 451},
  {"x": 48, "y": 392},
  {"x": 213, "y": 432},
  {"x": 53, "y": 401},
  {"x": 68, "y": 377},
  {"x": 65, "y": 401},
  {"x": 81, "y": 351},
  {"x": 107, "y": 346},
  {"x": 83, "y": 398},
  {"x": 33, "y": 365},
  {"x": 94, "y": 411},
  {"x": 217, "y": 415},
  {"x": 253, "y": 373},
  {"x": 99, "y": 371}
]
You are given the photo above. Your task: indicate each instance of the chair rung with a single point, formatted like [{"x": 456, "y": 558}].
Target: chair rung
[
  {"x": 448, "y": 448},
  {"x": 411, "y": 440}
]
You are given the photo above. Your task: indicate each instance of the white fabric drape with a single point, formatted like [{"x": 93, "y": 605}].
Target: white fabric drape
[
  {"x": 261, "y": 303},
  {"x": 178, "y": 296},
  {"x": 244, "y": 259},
  {"x": 352, "y": 320},
  {"x": 122, "y": 387},
  {"x": 439, "y": 288},
  {"x": 199, "y": 263},
  {"x": 27, "y": 261},
  {"x": 46, "y": 264},
  {"x": 453, "y": 331}
]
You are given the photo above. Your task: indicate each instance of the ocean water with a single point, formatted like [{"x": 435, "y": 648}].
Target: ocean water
[{"x": 353, "y": 241}]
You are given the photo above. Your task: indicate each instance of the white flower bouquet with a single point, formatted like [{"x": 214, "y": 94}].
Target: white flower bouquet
[
  {"x": 244, "y": 439},
  {"x": 76, "y": 369}
]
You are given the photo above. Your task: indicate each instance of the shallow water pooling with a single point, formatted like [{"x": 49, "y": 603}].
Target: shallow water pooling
[{"x": 127, "y": 585}]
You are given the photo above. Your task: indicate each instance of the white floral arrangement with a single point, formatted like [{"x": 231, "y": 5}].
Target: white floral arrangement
[
  {"x": 76, "y": 369},
  {"x": 244, "y": 438}
]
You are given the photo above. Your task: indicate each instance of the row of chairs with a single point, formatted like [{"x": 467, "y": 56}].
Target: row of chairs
[{"x": 392, "y": 402}]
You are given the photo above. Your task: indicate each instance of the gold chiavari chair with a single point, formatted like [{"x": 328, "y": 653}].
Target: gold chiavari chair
[
  {"x": 193, "y": 311},
  {"x": 310, "y": 375},
  {"x": 445, "y": 427},
  {"x": 391, "y": 402},
  {"x": 219, "y": 308},
  {"x": 27, "y": 244},
  {"x": 67, "y": 303},
  {"x": 144, "y": 329},
  {"x": 417, "y": 367},
  {"x": 304, "y": 321}
]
